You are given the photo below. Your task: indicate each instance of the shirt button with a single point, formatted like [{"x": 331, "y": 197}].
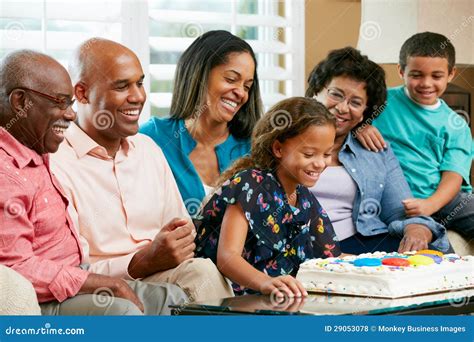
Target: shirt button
[
  {"x": 45, "y": 200},
  {"x": 362, "y": 193},
  {"x": 353, "y": 170},
  {"x": 381, "y": 185}
]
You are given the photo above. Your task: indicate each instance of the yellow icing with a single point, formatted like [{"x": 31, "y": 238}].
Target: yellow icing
[
  {"x": 430, "y": 251},
  {"x": 419, "y": 260}
]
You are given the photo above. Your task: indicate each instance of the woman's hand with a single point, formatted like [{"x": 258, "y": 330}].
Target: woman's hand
[
  {"x": 283, "y": 286},
  {"x": 416, "y": 237},
  {"x": 370, "y": 138}
]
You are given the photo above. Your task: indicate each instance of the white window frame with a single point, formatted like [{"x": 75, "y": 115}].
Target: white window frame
[{"x": 135, "y": 34}]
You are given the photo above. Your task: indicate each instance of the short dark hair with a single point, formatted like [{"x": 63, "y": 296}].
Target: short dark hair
[
  {"x": 428, "y": 44},
  {"x": 351, "y": 63},
  {"x": 192, "y": 74}
]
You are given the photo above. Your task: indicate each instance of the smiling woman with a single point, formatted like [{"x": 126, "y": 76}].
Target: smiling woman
[
  {"x": 216, "y": 103},
  {"x": 362, "y": 191}
]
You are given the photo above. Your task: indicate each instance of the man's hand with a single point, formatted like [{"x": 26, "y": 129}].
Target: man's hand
[
  {"x": 171, "y": 246},
  {"x": 418, "y": 206},
  {"x": 104, "y": 285},
  {"x": 370, "y": 138},
  {"x": 416, "y": 237}
]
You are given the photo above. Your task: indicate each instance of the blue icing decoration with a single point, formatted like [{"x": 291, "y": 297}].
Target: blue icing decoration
[
  {"x": 396, "y": 255},
  {"x": 436, "y": 258},
  {"x": 367, "y": 262}
]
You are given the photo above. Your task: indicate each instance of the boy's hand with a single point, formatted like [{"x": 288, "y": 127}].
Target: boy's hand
[
  {"x": 283, "y": 286},
  {"x": 370, "y": 138},
  {"x": 415, "y": 237},
  {"x": 418, "y": 206}
]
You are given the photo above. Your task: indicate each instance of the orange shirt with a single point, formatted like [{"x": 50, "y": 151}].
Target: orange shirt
[{"x": 120, "y": 203}]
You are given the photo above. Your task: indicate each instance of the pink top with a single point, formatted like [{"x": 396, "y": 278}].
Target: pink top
[
  {"x": 37, "y": 237},
  {"x": 336, "y": 191},
  {"x": 119, "y": 204}
]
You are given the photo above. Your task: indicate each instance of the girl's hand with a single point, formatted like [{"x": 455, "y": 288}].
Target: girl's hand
[{"x": 283, "y": 286}]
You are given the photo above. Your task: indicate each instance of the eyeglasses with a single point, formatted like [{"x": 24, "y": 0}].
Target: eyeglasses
[
  {"x": 338, "y": 96},
  {"x": 63, "y": 103}
]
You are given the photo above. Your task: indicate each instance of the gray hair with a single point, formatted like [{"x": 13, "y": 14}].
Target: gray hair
[{"x": 17, "y": 70}]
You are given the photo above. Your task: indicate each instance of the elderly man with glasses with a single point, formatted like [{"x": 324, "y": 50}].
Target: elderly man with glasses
[{"x": 37, "y": 236}]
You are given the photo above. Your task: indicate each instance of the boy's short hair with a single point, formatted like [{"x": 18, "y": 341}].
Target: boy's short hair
[{"x": 427, "y": 44}]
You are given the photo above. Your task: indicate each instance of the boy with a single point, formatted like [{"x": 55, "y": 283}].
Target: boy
[{"x": 431, "y": 141}]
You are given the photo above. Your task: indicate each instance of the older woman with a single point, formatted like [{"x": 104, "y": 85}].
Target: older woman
[
  {"x": 216, "y": 102},
  {"x": 362, "y": 191}
]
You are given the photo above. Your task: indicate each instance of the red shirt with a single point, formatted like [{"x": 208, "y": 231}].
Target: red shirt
[{"x": 37, "y": 237}]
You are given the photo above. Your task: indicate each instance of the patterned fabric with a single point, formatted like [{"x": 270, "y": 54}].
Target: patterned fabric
[{"x": 279, "y": 238}]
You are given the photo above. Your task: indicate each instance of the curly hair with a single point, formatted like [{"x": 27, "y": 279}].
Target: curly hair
[
  {"x": 427, "y": 44},
  {"x": 351, "y": 63},
  {"x": 191, "y": 81},
  {"x": 285, "y": 120}
]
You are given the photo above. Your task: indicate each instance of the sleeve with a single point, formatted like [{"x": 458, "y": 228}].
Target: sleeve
[
  {"x": 457, "y": 154},
  {"x": 392, "y": 211},
  {"x": 51, "y": 280},
  {"x": 323, "y": 236},
  {"x": 252, "y": 190}
]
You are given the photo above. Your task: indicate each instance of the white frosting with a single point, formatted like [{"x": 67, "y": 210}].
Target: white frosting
[
  {"x": 341, "y": 276},
  {"x": 323, "y": 304}
]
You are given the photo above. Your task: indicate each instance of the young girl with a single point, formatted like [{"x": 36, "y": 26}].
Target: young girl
[{"x": 263, "y": 222}]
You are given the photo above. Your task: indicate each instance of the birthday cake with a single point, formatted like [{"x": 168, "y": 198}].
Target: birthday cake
[{"x": 388, "y": 275}]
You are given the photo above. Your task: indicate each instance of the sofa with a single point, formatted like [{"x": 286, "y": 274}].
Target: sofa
[{"x": 17, "y": 295}]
